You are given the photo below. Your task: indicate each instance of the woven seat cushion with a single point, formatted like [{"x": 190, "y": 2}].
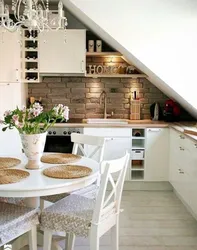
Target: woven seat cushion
[
  {"x": 54, "y": 198},
  {"x": 88, "y": 192},
  {"x": 13, "y": 200},
  {"x": 72, "y": 214},
  {"x": 15, "y": 220}
]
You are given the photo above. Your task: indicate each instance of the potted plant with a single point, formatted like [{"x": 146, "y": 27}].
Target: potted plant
[{"x": 32, "y": 124}]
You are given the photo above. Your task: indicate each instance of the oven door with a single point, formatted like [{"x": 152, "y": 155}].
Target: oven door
[{"x": 58, "y": 144}]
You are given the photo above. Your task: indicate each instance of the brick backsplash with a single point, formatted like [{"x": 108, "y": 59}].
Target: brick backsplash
[{"x": 82, "y": 95}]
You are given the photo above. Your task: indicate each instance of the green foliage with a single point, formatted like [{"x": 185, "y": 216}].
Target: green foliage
[{"x": 34, "y": 120}]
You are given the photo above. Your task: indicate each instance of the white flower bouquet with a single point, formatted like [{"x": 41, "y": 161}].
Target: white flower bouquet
[{"x": 34, "y": 120}]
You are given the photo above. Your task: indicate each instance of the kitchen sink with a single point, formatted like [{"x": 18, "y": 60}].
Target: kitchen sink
[{"x": 107, "y": 121}]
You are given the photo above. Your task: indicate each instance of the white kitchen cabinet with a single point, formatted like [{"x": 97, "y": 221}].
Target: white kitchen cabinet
[
  {"x": 175, "y": 159},
  {"x": 183, "y": 168},
  {"x": 179, "y": 161},
  {"x": 118, "y": 141},
  {"x": 10, "y": 142},
  {"x": 62, "y": 52},
  {"x": 116, "y": 147},
  {"x": 157, "y": 154},
  {"x": 11, "y": 96},
  {"x": 10, "y": 56}
]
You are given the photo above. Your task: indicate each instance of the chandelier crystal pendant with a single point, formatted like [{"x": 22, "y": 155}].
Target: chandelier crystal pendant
[{"x": 31, "y": 14}]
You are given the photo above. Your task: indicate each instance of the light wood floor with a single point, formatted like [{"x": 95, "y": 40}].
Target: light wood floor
[{"x": 151, "y": 221}]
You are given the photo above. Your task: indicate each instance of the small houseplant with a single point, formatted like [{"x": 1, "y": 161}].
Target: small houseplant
[{"x": 32, "y": 124}]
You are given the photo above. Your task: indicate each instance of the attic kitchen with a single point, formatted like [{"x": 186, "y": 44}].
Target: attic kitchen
[{"x": 110, "y": 97}]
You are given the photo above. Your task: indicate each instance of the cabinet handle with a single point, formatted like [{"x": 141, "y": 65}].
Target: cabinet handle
[
  {"x": 3, "y": 36},
  {"x": 182, "y": 149},
  {"x": 17, "y": 75},
  {"x": 181, "y": 171},
  {"x": 4, "y": 84},
  {"x": 182, "y": 137},
  {"x": 154, "y": 129},
  {"x": 195, "y": 145},
  {"x": 82, "y": 66}
]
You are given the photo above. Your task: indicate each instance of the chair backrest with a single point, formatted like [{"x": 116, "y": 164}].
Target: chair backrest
[
  {"x": 108, "y": 202},
  {"x": 80, "y": 141}
]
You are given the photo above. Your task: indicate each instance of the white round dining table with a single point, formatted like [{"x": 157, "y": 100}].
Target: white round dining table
[{"x": 37, "y": 184}]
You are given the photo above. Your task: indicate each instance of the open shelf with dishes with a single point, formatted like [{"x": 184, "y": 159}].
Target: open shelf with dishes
[
  {"x": 137, "y": 154},
  {"x": 30, "y": 62}
]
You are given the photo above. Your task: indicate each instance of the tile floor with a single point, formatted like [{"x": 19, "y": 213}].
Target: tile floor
[{"x": 152, "y": 220}]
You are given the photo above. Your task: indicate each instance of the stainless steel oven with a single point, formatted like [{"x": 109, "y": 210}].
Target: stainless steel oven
[{"x": 59, "y": 139}]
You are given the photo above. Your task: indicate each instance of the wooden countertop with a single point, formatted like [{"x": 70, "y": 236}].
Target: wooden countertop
[
  {"x": 182, "y": 126},
  {"x": 131, "y": 124},
  {"x": 178, "y": 126}
]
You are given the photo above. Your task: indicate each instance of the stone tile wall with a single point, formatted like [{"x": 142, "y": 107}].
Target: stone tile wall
[{"x": 82, "y": 95}]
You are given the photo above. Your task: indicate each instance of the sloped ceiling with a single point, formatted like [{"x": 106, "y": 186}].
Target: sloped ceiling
[{"x": 157, "y": 36}]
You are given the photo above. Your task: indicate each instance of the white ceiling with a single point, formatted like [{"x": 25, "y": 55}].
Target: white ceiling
[{"x": 155, "y": 36}]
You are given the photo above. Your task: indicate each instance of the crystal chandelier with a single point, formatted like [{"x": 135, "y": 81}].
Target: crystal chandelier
[{"x": 31, "y": 14}]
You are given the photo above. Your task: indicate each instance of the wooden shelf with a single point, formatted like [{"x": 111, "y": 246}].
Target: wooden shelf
[
  {"x": 31, "y": 81},
  {"x": 31, "y": 50},
  {"x": 31, "y": 60},
  {"x": 135, "y": 147},
  {"x": 103, "y": 54},
  {"x": 32, "y": 71},
  {"x": 137, "y": 175},
  {"x": 31, "y": 39},
  {"x": 117, "y": 75},
  {"x": 138, "y": 138}
]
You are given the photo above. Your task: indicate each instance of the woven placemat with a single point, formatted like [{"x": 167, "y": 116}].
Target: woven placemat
[
  {"x": 67, "y": 171},
  {"x": 8, "y": 176},
  {"x": 8, "y": 162},
  {"x": 60, "y": 158}
]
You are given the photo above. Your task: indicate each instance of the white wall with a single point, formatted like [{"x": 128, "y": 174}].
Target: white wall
[{"x": 158, "y": 36}]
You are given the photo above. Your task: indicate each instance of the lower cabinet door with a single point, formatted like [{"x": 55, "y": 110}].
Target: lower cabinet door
[
  {"x": 115, "y": 148},
  {"x": 191, "y": 168},
  {"x": 157, "y": 154}
]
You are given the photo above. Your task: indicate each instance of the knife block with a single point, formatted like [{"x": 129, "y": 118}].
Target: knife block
[{"x": 135, "y": 110}]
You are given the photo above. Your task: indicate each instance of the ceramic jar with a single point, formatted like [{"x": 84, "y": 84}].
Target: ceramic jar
[{"x": 33, "y": 146}]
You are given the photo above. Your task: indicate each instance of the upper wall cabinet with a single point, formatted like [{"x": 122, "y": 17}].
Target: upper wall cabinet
[
  {"x": 10, "y": 57},
  {"x": 11, "y": 96},
  {"x": 62, "y": 52}
]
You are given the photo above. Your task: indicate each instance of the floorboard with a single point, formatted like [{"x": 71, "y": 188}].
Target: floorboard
[{"x": 152, "y": 220}]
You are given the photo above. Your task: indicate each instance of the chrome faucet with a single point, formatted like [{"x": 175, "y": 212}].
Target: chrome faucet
[{"x": 103, "y": 96}]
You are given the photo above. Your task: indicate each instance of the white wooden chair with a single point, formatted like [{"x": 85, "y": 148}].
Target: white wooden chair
[
  {"x": 86, "y": 145},
  {"x": 81, "y": 216},
  {"x": 16, "y": 220},
  {"x": 82, "y": 141}
]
